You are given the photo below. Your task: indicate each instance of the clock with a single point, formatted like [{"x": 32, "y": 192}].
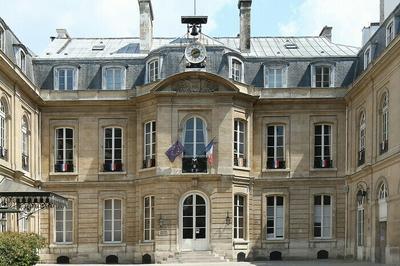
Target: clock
[{"x": 195, "y": 53}]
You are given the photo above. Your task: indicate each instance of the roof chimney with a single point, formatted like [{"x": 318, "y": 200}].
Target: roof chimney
[
  {"x": 62, "y": 34},
  {"x": 381, "y": 11},
  {"x": 146, "y": 25},
  {"x": 327, "y": 33},
  {"x": 245, "y": 26}
]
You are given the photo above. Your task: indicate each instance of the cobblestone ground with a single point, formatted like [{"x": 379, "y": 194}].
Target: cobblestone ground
[{"x": 270, "y": 263}]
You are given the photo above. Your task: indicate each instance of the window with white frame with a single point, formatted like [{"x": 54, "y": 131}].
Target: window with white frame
[
  {"x": 2, "y": 38},
  {"x": 323, "y": 146},
  {"x": 65, "y": 78},
  {"x": 322, "y": 75},
  {"x": 148, "y": 226},
  {"x": 194, "y": 142},
  {"x": 239, "y": 143},
  {"x": 64, "y": 223},
  {"x": 275, "y": 217},
  {"x": 384, "y": 123},
  {"x": 153, "y": 70},
  {"x": 113, "y": 78},
  {"x": 64, "y": 150},
  {"x": 3, "y": 129},
  {"x": 239, "y": 221},
  {"x": 275, "y": 77},
  {"x": 322, "y": 216},
  {"x": 25, "y": 143},
  {"x": 367, "y": 57},
  {"x": 362, "y": 139},
  {"x": 112, "y": 226},
  {"x": 149, "y": 144},
  {"x": 22, "y": 60},
  {"x": 382, "y": 202},
  {"x": 112, "y": 149},
  {"x": 389, "y": 32},
  {"x": 276, "y": 147},
  {"x": 3, "y": 222},
  {"x": 360, "y": 223},
  {"x": 236, "y": 70},
  {"x": 23, "y": 223}
]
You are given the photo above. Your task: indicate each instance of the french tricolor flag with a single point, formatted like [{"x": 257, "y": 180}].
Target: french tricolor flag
[
  {"x": 210, "y": 152},
  {"x": 325, "y": 163},
  {"x": 276, "y": 164},
  {"x": 64, "y": 167}
]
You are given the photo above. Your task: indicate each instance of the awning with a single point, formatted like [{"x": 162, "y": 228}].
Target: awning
[{"x": 18, "y": 196}]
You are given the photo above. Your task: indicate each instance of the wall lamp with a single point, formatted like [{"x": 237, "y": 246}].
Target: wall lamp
[
  {"x": 361, "y": 196},
  {"x": 228, "y": 219}
]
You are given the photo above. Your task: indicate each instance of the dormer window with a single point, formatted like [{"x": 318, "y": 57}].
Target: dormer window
[
  {"x": 2, "y": 38},
  {"x": 322, "y": 76},
  {"x": 22, "y": 60},
  {"x": 236, "y": 69},
  {"x": 389, "y": 32},
  {"x": 113, "y": 78},
  {"x": 153, "y": 70},
  {"x": 65, "y": 78},
  {"x": 275, "y": 76},
  {"x": 367, "y": 57}
]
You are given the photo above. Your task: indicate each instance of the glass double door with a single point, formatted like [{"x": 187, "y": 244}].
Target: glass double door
[{"x": 194, "y": 223}]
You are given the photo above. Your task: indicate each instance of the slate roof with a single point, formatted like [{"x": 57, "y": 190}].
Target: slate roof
[{"x": 261, "y": 47}]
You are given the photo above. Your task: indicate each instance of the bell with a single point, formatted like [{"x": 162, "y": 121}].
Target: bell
[{"x": 194, "y": 31}]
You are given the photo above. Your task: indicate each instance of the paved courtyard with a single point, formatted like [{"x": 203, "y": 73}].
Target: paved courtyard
[{"x": 269, "y": 263}]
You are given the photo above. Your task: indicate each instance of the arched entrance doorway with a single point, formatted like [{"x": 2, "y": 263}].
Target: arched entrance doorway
[{"x": 194, "y": 222}]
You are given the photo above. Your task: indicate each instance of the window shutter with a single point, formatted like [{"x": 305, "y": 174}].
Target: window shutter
[
  {"x": 266, "y": 73},
  {"x": 313, "y": 76},
  {"x": 284, "y": 76}
]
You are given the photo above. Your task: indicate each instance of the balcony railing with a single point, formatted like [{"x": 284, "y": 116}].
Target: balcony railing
[
  {"x": 361, "y": 157},
  {"x": 276, "y": 164},
  {"x": 25, "y": 162},
  {"x": 194, "y": 165},
  {"x": 148, "y": 163},
  {"x": 3, "y": 153},
  {"x": 323, "y": 163},
  {"x": 63, "y": 167},
  {"x": 384, "y": 147},
  {"x": 112, "y": 167}
]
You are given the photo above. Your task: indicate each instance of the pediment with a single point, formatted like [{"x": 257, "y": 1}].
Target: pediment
[{"x": 195, "y": 82}]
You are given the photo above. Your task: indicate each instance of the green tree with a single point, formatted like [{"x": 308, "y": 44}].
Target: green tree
[{"x": 19, "y": 249}]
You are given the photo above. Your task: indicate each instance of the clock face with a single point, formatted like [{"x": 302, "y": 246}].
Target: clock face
[{"x": 195, "y": 53}]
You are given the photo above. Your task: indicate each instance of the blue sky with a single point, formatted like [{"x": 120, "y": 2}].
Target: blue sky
[{"x": 34, "y": 21}]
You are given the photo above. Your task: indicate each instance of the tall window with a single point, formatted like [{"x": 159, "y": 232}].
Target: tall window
[
  {"x": 367, "y": 57},
  {"x": 360, "y": 223},
  {"x": 276, "y": 147},
  {"x": 3, "y": 222},
  {"x": 25, "y": 144},
  {"x": 322, "y": 146},
  {"x": 382, "y": 202},
  {"x": 65, "y": 78},
  {"x": 275, "y": 77},
  {"x": 64, "y": 149},
  {"x": 113, "y": 78},
  {"x": 112, "y": 227},
  {"x": 389, "y": 32},
  {"x": 3, "y": 129},
  {"x": 194, "y": 154},
  {"x": 153, "y": 70},
  {"x": 23, "y": 223},
  {"x": 239, "y": 223},
  {"x": 239, "y": 144},
  {"x": 275, "y": 217},
  {"x": 362, "y": 138},
  {"x": 112, "y": 149},
  {"x": 2, "y": 39},
  {"x": 149, "y": 218},
  {"x": 322, "y": 216},
  {"x": 149, "y": 144},
  {"x": 236, "y": 70},
  {"x": 384, "y": 123},
  {"x": 64, "y": 223}
]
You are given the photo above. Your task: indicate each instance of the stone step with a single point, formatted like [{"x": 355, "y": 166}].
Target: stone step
[{"x": 205, "y": 256}]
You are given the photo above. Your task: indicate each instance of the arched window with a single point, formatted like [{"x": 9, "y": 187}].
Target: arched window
[
  {"x": 3, "y": 129},
  {"x": 25, "y": 143},
  {"x": 360, "y": 219},
  {"x": 194, "y": 141},
  {"x": 236, "y": 69},
  {"x": 362, "y": 138},
  {"x": 384, "y": 123},
  {"x": 382, "y": 201}
]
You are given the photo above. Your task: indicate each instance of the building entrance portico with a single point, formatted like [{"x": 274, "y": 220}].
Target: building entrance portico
[{"x": 194, "y": 222}]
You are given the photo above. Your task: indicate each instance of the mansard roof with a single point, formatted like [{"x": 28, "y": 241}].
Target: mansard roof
[{"x": 261, "y": 47}]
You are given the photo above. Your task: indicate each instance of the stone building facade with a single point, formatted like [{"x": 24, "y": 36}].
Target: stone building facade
[{"x": 290, "y": 161}]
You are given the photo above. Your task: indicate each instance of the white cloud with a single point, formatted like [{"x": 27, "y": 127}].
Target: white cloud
[{"x": 346, "y": 17}]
